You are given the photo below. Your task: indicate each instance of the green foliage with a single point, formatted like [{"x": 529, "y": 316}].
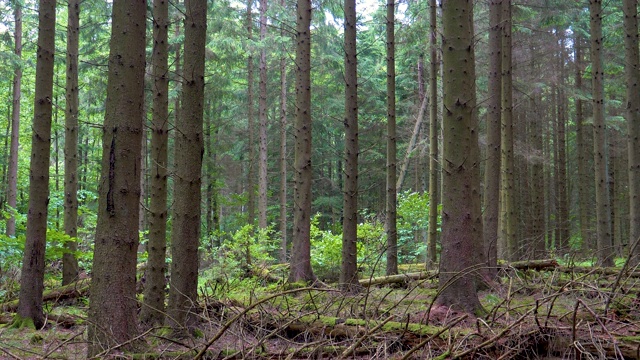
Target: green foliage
[{"x": 413, "y": 218}]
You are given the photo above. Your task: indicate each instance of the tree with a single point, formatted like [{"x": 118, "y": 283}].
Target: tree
[
  {"x": 632, "y": 74},
  {"x": 112, "y": 309},
  {"x": 603, "y": 213},
  {"x": 581, "y": 147},
  {"x": 433, "y": 138},
  {"x": 349, "y": 273},
  {"x": 12, "y": 186},
  {"x": 491, "y": 200},
  {"x": 283, "y": 151},
  {"x": 153, "y": 309},
  {"x": 461, "y": 215},
  {"x": 301, "y": 249},
  {"x": 32, "y": 275},
  {"x": 251, "y": 173},
  {"x": 392, "y": 195},
  {"x": 185, "y": 235},
  {"x": 262, "y": 114}
]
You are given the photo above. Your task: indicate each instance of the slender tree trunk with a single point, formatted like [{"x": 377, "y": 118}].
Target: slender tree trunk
[
  {"x": 562, "y": 241},
  {"x": 603, "y": 214},
  {"x": 411, "y": 147},
  {"x": 349, "y": 273},
  {"x": 301, "y": 250},
  {"x": 12, "y": 187},
  {"x": 112, "y": 311},
  {"x": 507, "y": 206},
  {"x": 492, "y": 167},
  {"x": 152, "y": 312},
  {"x": 581, "y": 148},
  {"x": 32, "y": 275},
  {"x": 632, "y": 74},
  {"x": 69, "y": 261},
  {"x": 537, "y": 179},
  {"x": 461, "y": 213},
  {"x": 262, "y": 178},
  {"x": 185, "y": 233},
  {"x": 283, "y": 152},
  {"x": 251, "y": 173},
  {"x": 391, "y": 200}
]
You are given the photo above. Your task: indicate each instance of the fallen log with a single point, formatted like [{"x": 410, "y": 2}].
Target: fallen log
[
  {"x": 73, "y": 290},
  {"x": 537, "y": 265},
  {"x": 400, "y": 278}
]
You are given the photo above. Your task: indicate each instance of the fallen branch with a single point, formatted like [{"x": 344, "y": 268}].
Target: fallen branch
[
  {"x": 400, "y": 278},
  {"x": 73, "y": 290}
]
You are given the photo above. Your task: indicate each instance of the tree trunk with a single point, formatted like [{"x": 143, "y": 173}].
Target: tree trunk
[
  {"x": 632, "y": 74},
  {"x": 562, "y": 240},
  {"x": 262, "y": 178},
  {"x": 492, "y": 167},
  {"x": 152, "y": 312},
  {"x": 283, "y": 152},
  {"x": 185, "y": 233},
  {"x": 301, "y": 249},
  {"x": 434, "y": 130},
  {"x": 112, "y": 311},
  {"x": 581, "y": 148},
  {"x": 603, "y": 214},
  {"x": 12, "y": 186},
  {"x": 461, "y": 214},
  {"x": 251, "y": 173},
  {"x": 32, "y": 275},
  {"x": 392, "y": 195},
  {"x": 349, "y": 273}
]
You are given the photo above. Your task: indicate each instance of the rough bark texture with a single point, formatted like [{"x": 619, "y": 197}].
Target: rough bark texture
[
  {"x": 349, "y": 273},
  {"x": 262, "y": 114},
  {"x": 434, "y": 128},
  {"x": 12, "y": 186},
  {"x": 153, "y": 309},
  {"x": 632, "y": 74},
  {"x": 461, "y": 215},
  {"x": 69, "y": 261},
  {"x": 508, "y": 220},
  {"x": 491, "y": 199},
  {"x": 185, "y": 233},
  {"x": 301, "y": 248},
  {"x": 283, "y": 152},
  {"x": 251, "y": 173},
  {"x": 112, "y": 311},
  {"x": 603, "y": 213},
  {"x": 32, "y": 275},
  {"x": 581, "y": 148},
  {"x": 392, "y": 195},
  {"x": 562, "y": 225}
]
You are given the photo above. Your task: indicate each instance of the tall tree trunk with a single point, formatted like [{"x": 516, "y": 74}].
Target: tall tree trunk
[
  {"x": 581, "y": 149},
  {"x": 491, "y": 198},
  {"x": 301, "y": 250},
  {"x": 112, "y": 311},
  {"x": 262, "y": 114},
  {"x": 603, "y": 214},
  {"x": 392, "y": 195},
  {"x": 434, "y": 128},
  {"x": 283, "y": 152},
  {"x": 349, "y": 273},
  {"x": 152, "y": 312},
  {"x": 12, "y": 187},
  {"x": 562, "y": 240},
  {"x": 251, "y": 173},
  {"x": 509, "y": 221},
  {"x": 32, "y": 275},
  {"x": 632, "y": 74},
  {"x": 461, "y": 214},
  {"x": 185, "y": 235},
  {"x": 69, "y": 261}
]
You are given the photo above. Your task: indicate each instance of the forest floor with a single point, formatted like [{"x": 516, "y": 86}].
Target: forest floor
[{"x": 550, "y": 313}]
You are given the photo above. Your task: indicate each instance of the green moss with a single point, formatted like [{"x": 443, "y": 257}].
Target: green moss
[
  {"x": 19, "y": 322},
  {"x": 635, "y": 338}
]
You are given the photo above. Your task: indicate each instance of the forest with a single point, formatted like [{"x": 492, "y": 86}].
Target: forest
[{"x": 298, "y": 179}]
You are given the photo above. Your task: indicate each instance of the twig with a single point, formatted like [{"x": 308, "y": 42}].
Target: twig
[
  {"x": 353, "y": 346},
  {"x": 62, "y": 344},
  {"x": 619, "y": 276},
  {"x": 426, "y": 341}
]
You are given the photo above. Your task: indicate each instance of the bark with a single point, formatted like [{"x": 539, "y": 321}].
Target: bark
[
  {"x": 434, "y": 128},
  {"x": 349, "y": 273},
  {"x": 509, "y": 220},
  {"x": 632, "y": 74},
  {"x": 392, "y": 195},
  {"x": 185, "y": 233},
  {"x": 581, "y": 148},
  {"x": 32, "y": 275},
  {"x": 12, "y": 186},
  {"x": 112, "y": 311},
  {"x": 537, "y": 178},
  {"x": 301, "y": 249},
  {"x": 603, "y": 214},
  {"x": 152, "y": 311},
  {"x": 251, "y": 174},
  {"x": 262, "y": 114},
  {"x": 491, "y": 197},
  {"x": 411, "y": 147},
  {"x": 461, "y": 215},
  {"x": 69, "y": 261},
  {"x": 283, "y": 152},
  {"x": 562, "y": 240}
]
